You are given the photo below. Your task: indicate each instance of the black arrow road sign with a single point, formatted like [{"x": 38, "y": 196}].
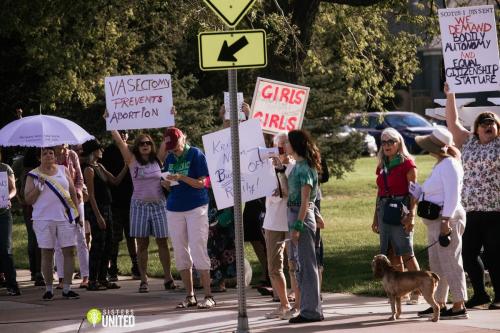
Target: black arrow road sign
[{"x": 227, "y": 52}]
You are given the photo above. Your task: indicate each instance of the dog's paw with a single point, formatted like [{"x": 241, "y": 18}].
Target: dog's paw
[{"x": 434, "y": 319}]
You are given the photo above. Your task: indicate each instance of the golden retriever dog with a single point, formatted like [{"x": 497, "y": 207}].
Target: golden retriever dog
[{"x": 397, "y": 284}]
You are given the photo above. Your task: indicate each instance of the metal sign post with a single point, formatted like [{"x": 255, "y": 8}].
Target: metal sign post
[
  {"x": 231, "y": 50},
  {"x": 238, "y": 218}
]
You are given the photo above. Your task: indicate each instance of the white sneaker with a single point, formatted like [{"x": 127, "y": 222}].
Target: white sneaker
[
  {"x": 289, "y": 314},
  {"x": 276, "y": 313}
]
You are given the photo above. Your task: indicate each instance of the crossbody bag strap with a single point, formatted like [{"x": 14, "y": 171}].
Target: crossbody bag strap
[{"x": 386, "y": 184}]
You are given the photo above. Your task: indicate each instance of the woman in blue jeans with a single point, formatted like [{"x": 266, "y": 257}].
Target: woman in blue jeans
[
  {"x": 6, "y": 262},
  {"x": 302, "y": 192}
]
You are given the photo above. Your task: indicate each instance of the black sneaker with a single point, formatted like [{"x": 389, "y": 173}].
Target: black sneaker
[
  {"x": 428, "y": 313},
  {"x": 450, "y": 314},
  {"x": 40, "y": 283},
  {"x": 495, "y": 305},
  {"x": 13, "y": 291},
  {"x": 48, "y": 296},
  {"x": 299, "y": 320},
  {"x": 480, "y": 302},
  {"x": 70, "y": 295}
]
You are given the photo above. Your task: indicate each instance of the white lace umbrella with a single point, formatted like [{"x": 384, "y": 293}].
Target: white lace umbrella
[{"x": 42, "y": 131}]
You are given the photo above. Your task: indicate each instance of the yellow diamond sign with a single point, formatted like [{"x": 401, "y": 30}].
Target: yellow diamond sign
[
  {"x": 220, "y": 50},
  {"x": 230, "y": 11}
]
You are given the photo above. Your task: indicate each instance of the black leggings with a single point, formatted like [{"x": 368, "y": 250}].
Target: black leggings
[
  {"x": 482, "y": 230},
  {"x": 100, "y": 247}
]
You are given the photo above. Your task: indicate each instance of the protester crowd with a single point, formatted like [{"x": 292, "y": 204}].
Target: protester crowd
[{"x": 87, "y": 198}]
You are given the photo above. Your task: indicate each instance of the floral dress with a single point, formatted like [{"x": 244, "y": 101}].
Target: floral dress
[
  {"x": 221, "y": 248},
  {"x": 481, "y": 162}
]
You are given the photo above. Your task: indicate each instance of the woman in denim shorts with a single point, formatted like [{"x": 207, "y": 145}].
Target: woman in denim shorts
[
  {"x": 148, "y": 213},
  {"x": 395, "y": 170}
]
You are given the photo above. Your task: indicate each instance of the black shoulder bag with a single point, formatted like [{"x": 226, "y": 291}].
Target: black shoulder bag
[
  {"x": 393, "y": 208},
  {"x": 428, "y": 210}
]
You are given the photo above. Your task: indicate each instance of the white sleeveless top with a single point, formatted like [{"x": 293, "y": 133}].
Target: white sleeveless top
[{"x": 48, "y": 207}]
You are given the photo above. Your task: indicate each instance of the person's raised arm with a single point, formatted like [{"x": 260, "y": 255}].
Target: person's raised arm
[
  {"x": 460, "y": 134},
  {"x": 162, "y": 153},
  {"x": 115, "y": 180},
  {"x": 127, "y": 155}
]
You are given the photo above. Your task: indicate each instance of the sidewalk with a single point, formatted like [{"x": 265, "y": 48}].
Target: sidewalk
[{"x": 155, "y": 312}]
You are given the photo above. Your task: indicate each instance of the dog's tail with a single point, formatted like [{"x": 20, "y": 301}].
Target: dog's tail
[{"x": 435, "y": 277}]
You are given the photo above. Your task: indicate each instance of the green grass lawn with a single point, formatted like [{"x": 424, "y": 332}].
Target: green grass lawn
[{"x": 350, "y": 245}]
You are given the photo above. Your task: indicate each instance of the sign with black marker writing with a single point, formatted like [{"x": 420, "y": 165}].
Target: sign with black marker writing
[
  {"x": 257, "y": 175},
  {"x": 470, "y": 48},
  {"x": 139, "y": 101}
]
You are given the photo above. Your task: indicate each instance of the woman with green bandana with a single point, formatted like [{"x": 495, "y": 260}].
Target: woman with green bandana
[{"x": 395, "y": 170}]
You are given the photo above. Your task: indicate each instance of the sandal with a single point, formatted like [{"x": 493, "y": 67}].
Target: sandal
[
  {"x": 170, "y": 285},
  {"x": 84, "y": 285},
  {"x": 207, "y": 303},
  {"x": 143, "y": 287},
  {"x": 188, "y": 302}
]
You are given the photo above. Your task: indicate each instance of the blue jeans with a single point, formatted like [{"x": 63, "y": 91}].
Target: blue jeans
[
  {"x": 303, "y": 255},
  {"x": 6, "y": 261}
]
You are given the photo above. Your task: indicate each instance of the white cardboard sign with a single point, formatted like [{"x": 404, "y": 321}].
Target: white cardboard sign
[
  {"x": 470, "y": 48},
  {"x": 139, "y": 101},
  {"x": 257, "y": 177},
  {"x": 4, "y": 190},
  {"x": 278, "y": 105},
  {"x": 239, "y": 103}
]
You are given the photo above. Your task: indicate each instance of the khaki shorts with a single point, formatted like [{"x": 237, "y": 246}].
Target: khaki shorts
[{"x": 275, "y": 247}]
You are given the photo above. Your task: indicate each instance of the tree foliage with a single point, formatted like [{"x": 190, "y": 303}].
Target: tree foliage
[{"x": 57, "y": 54}]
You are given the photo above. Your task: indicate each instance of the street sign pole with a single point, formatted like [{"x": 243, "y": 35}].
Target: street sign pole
[{"x": 238, "y": 220}]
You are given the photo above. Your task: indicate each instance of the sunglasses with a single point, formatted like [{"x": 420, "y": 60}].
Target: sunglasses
[
  {"x": 145, "y": 143},
  {"x": 387, "y": 142}
]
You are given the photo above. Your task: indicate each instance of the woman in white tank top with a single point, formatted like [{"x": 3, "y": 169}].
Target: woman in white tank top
[{"x": 50, "y": 217}]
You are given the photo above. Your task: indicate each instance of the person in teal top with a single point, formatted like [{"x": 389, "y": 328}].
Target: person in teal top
[
  {"x": 302, "y": 174},
  {"x": 302, "y": 191}
]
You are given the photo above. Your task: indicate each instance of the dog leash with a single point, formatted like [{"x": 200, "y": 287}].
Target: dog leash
[{"x": 421, "y": 251}]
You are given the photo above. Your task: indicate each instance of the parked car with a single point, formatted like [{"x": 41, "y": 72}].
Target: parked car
[
  {"x": 369, "y": 144},
  {"x": 409, "y": 124}
]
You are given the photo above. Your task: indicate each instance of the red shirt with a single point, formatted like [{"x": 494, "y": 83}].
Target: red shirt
[{"x": 396, "y": 179}]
